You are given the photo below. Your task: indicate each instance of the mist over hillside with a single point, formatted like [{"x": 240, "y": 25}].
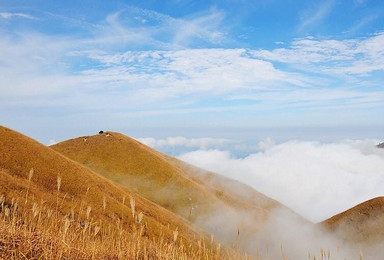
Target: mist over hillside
[
  {"x": 316, "y": 180},
  {"x": 309, "y": 177}
]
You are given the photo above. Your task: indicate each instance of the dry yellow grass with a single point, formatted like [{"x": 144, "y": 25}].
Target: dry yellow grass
[
  {"x": 362, "y": 223},
  {"x": 57, "y": 198},
  {"x": 140, "y": 169},
  {"x": 38, "y": 232},
  {"x": 235, "y": 194},
  {"x": 54, "y": 208},
  {"x": 79, "y": 185},
  {"x": 181, "y": 188}
]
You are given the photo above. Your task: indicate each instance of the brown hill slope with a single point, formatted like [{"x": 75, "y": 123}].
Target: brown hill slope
[
  {"x": 362, "y": 223},
  {"x": 236, "y": 193},
  {"x": 217, "y": 204},
  {"x": 80, "y": 190}
]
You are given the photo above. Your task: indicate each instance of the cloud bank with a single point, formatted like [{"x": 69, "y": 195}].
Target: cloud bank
[
  {"x": 316, "y": 180},
  {"x": 180, "y": 141}
]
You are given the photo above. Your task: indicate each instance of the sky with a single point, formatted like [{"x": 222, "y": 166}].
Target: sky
[
  {"x": 227, "y": 69},
  {"x": 289, "y": 92}
]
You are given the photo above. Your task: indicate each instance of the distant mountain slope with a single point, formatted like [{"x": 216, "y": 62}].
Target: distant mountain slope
[
  {"x": 204, "y": 198},
  {"x": 380, "y": 145},
  {"x": 80, "y": 188},
  {"x": 362, "y": 223}
]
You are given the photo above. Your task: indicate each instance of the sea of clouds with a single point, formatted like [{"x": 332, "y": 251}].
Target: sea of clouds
[{"x": 317, "y": 180}]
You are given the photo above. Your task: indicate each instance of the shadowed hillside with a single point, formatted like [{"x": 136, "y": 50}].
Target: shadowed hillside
[
  {"x": 40, "y": 188},
  {"x": 225, "y": 207},
  {"x": 362, "y": 223}
]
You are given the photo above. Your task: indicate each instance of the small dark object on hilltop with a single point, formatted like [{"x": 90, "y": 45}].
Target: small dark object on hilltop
[
  {"x": 381, "y": 145},
  {"x": 101, "y": 132}
]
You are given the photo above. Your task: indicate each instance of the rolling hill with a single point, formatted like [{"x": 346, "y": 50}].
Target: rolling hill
[
  {"x": 204, "y": 198},
  {"x": 363, "y": 223},
  {"x": 46, "y": 194},
  {"x": 109, "y": 196}
]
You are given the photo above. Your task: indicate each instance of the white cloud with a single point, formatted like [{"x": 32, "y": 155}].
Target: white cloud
[
  {"x": 54, "y": 70},
  {"x": 316, "y": 180},
  {"x": 310, "y": 50},
  {"x": 6, "y": 15},
  {"x": 135, "y": 79},
  {"x": 217, "y": 70},
  {"x": 141, "y": 77},
  {"x": 180, "y": 141},
  {"x": 352, "y": 56},
  {"x": 266, "y": 144},
  {"x": 141, "y": 28},
  {"x": 203, "y": 27}
]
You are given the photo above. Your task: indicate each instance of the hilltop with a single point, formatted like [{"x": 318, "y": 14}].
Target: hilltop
[
  {"x": 44, "y": 194},
  {"x": 362, "y": 223},
  {"x": 204, "y": 198}
]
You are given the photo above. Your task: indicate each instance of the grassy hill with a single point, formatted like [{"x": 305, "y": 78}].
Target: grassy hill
[
  {"x": 362, "y": 223},
  {"x": 110, "y": 197},
  {"x": 53, "y": 207},
  {"x": 217, "y": 204}
]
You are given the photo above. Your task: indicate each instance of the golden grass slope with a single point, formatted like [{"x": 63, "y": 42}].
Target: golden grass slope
[
  {"x": 235, "y": 193},
  {"x": 137, "y": 167},
  {"x": 363, "y": 223},
  {"x": 43, "y": 194},
  {"x": 219, "y": 205}
]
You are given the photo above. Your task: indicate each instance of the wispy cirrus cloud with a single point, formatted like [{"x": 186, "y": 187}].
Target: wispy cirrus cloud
[
  {"x": 352, "y": 56},
  {"x": 363, "y": 22},
  {"x": 195, "y": 70},
  {"x": 143, "y": 28},
  {"x": 34, "y": 60},
  {"x": 135, "y": 79},
  {"x": 315, "y": 14},
  {"x": 6, "y": 15},
  {"x": 136, "y": 76},
  {"x": 145, "y": 62}
]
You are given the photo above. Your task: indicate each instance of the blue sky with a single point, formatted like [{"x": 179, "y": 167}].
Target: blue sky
[{"x": 225, "y": 69}]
